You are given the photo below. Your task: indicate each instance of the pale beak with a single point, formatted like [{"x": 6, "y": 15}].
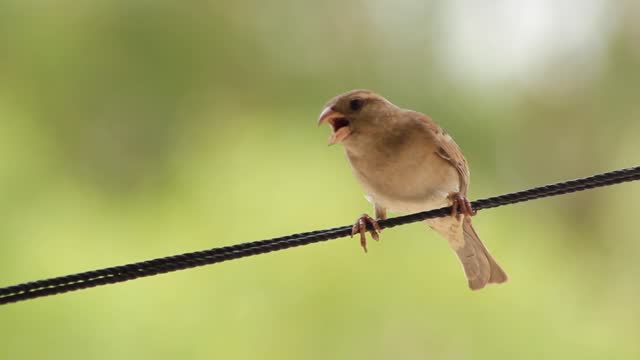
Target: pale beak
[{"x": 339, "y": 124}]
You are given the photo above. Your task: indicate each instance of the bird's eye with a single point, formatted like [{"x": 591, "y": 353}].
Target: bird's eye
[{"x": 356, "y": 104}]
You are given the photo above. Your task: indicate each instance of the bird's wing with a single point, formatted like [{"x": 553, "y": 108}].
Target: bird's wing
[{"x": 447, "y": 149}]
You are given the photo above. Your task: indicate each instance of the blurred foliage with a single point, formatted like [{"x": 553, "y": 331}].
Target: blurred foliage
[{"x": 136, "y": 129}]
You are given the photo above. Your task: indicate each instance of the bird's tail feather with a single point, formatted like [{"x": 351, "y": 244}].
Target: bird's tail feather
[{"x": 479, "y": 266}]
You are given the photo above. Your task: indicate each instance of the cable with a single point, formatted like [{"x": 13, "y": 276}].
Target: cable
[{"x": 116, "y": 274}]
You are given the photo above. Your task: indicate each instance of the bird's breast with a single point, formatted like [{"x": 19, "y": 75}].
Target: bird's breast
[{"x": 408, "y": 179}]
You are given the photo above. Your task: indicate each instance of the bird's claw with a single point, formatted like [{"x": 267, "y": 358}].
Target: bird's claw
[
  {"x": 360, "y": 227},
  {"x": 461, "y": 206}
]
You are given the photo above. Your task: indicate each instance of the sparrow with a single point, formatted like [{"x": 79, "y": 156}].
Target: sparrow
[{"x": 406, "y": 163}]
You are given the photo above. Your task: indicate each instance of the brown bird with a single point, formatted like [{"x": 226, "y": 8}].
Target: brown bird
[{"x": 406, "y": 163}]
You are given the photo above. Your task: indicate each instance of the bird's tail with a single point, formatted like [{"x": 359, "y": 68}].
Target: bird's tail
[{"x": 479, "y": 266}]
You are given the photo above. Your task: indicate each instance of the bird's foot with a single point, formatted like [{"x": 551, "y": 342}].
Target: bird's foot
[
  {"x": 461, "y": 206},
  {"x": 360, "y": 227}
]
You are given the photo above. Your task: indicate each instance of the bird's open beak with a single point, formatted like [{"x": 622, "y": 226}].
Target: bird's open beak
[{"x": 339, "y": 124}]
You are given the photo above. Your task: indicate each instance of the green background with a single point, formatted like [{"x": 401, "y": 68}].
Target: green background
[{"x": 138, "y": 129}]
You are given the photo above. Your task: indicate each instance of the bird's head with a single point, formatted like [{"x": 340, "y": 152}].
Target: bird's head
[{"x": 353, "y": 113}]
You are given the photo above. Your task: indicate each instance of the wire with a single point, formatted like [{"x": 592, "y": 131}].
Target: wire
[{"x": 117, "y": 274}]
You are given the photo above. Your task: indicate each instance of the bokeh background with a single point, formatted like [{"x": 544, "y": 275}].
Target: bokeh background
[{"x": 137, "y": 129}]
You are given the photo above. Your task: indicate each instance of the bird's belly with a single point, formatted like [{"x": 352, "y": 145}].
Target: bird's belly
[
  {"x": 412, "y": 188},
  {"x": 436, "y": 200}
]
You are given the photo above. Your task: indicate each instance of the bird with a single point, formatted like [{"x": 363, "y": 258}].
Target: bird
[{"x": 407, "y": 163}]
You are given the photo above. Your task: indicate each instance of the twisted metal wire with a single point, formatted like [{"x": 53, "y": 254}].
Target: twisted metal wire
[{"x": 116, "y": 274}]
